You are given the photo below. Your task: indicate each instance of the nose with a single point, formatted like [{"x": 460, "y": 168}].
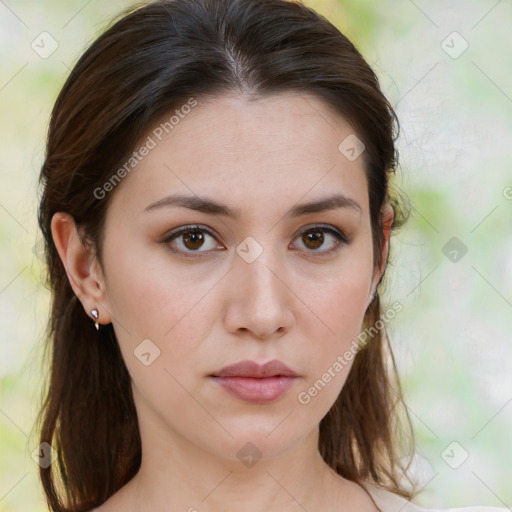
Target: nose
[{"x": 260, "y": 300}]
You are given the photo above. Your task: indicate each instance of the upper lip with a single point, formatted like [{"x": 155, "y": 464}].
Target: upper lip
[{"x": 252, "y": 369}]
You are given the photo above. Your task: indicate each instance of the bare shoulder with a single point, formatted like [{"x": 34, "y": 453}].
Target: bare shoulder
[
  {"x": 352, "y": 496},
  {"x": 362, "y": 499},
  {"x": 390, "y": 502},
  {"x": 386, "y": 501}
]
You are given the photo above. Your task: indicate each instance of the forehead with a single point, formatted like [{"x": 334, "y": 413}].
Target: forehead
[{"x": 247, "y": 151}]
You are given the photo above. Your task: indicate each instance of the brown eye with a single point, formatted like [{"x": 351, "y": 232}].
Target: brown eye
[
  {"x": 315, "y": 238},
  {"x": 190, "y": 240},
  {"x": 193, "y": 239}
]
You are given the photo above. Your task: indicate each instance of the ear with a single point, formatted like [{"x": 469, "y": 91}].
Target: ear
[
  {"x": 82, "y": 267},
  {"x": 386, "y": 219}
]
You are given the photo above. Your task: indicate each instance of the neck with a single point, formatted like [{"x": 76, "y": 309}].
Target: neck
[{"x": 182, "y": 476}]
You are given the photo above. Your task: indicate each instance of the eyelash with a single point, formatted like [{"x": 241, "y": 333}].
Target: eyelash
[{"x": 341, "y": 240}]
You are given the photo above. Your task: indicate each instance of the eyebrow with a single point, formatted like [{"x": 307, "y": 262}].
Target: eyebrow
[{"x": 211, "y": 207}]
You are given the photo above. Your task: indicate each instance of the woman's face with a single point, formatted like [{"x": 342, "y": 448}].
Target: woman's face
[{"x": 258, "y": 276}]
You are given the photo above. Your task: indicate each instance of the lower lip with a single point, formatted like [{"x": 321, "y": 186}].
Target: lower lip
[{"x": 258, "y": 391}]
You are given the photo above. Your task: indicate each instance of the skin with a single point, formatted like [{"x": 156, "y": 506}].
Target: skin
[{"x": 203, "y": 313}]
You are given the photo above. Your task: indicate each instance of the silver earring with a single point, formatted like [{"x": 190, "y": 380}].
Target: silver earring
[{"x": 95, "y": 315}]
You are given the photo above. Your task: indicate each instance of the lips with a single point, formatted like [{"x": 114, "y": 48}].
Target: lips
[
  {"x": 254, "y": 370},
  {"x": 255, "y": 383}
]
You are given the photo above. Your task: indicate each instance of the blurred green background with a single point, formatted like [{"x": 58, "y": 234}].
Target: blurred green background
[{"x": 445, "y": 66}]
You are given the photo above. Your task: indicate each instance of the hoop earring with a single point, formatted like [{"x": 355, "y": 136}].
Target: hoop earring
[{"x": 95, "y": 315}]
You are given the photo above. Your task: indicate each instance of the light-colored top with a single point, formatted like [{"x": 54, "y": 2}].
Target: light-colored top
[{"x": 388, "y": 502}]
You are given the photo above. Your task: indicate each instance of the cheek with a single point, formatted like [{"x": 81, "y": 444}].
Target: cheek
[
  {"x": 159, "y": 321},
  {"x": 160, "y": 310},
  {"x": 147, "y": 294},
  {"x": 339, "y": 312},
  {"x": 339, "y": 306},
  {"x": 340, "y": 296}
]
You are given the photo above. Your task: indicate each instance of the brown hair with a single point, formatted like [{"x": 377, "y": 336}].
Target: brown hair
[{"x": 145, "y": 65}]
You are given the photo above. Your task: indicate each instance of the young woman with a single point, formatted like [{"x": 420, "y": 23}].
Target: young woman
[{"x": 217, "y": 216}]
